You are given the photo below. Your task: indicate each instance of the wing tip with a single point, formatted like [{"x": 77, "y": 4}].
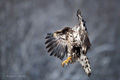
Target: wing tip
[{"x": 49, "y": 33}]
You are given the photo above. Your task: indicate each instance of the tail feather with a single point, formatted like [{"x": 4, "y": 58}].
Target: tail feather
[{"x": 85, "y": 64}]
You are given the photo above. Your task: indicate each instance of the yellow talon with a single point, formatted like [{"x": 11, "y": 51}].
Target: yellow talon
[{"x": 67, "y": 61}]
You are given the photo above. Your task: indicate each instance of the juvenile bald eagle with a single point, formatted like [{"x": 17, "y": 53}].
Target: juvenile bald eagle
[{"x": 72, "y": 42}]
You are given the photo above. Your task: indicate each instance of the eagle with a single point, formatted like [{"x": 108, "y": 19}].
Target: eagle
[{"x": 72, "y": 43}]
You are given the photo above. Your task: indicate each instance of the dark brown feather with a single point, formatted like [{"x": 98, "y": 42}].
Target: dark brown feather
[
  {"x": 51, "y": 44},
  {"x": 48, "y": 36},
  {"x": 49, "y": 33},
  {"x": 51, "y": 48},
  {"x": 87, "y": 42},
  {"x": 55, "y": 50},
  {"x": 49, "y": 40}
]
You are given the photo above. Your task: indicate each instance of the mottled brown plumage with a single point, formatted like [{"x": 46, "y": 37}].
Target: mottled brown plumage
[{"x": 72, "y": 42}]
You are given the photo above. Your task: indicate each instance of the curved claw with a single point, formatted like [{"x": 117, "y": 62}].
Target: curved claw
[{"x": 69, "y": 59}]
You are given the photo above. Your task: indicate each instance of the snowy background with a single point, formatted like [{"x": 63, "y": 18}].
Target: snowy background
[{"x": 25, "y": 23}]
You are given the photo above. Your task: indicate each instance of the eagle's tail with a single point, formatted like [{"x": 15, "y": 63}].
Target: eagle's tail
[{"x": 85, "y": 64}]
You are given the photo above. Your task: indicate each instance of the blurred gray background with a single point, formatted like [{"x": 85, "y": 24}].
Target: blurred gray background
[{"x": 25, "y": 23}]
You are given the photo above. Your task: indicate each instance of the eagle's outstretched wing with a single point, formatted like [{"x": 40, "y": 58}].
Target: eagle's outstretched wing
[{"x": 57, "y": 43}]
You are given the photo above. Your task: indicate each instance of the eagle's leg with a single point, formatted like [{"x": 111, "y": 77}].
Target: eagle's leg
[{"x": 69, "y": 59}]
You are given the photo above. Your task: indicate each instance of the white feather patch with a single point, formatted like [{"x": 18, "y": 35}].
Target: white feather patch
[{"x": 85, "y": 64}]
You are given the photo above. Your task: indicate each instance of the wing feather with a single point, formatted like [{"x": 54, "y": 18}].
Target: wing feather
[
  {"x": 54, "y": 51},
  {"x": 87, "y": 42},
  {"x": 52, "y": 43},
  {"x": 57, "y": 43},
  {"x": 60, "y": 51},
  {"x": 57, "y": 51},
  {"x": 50, "y": 39}
]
